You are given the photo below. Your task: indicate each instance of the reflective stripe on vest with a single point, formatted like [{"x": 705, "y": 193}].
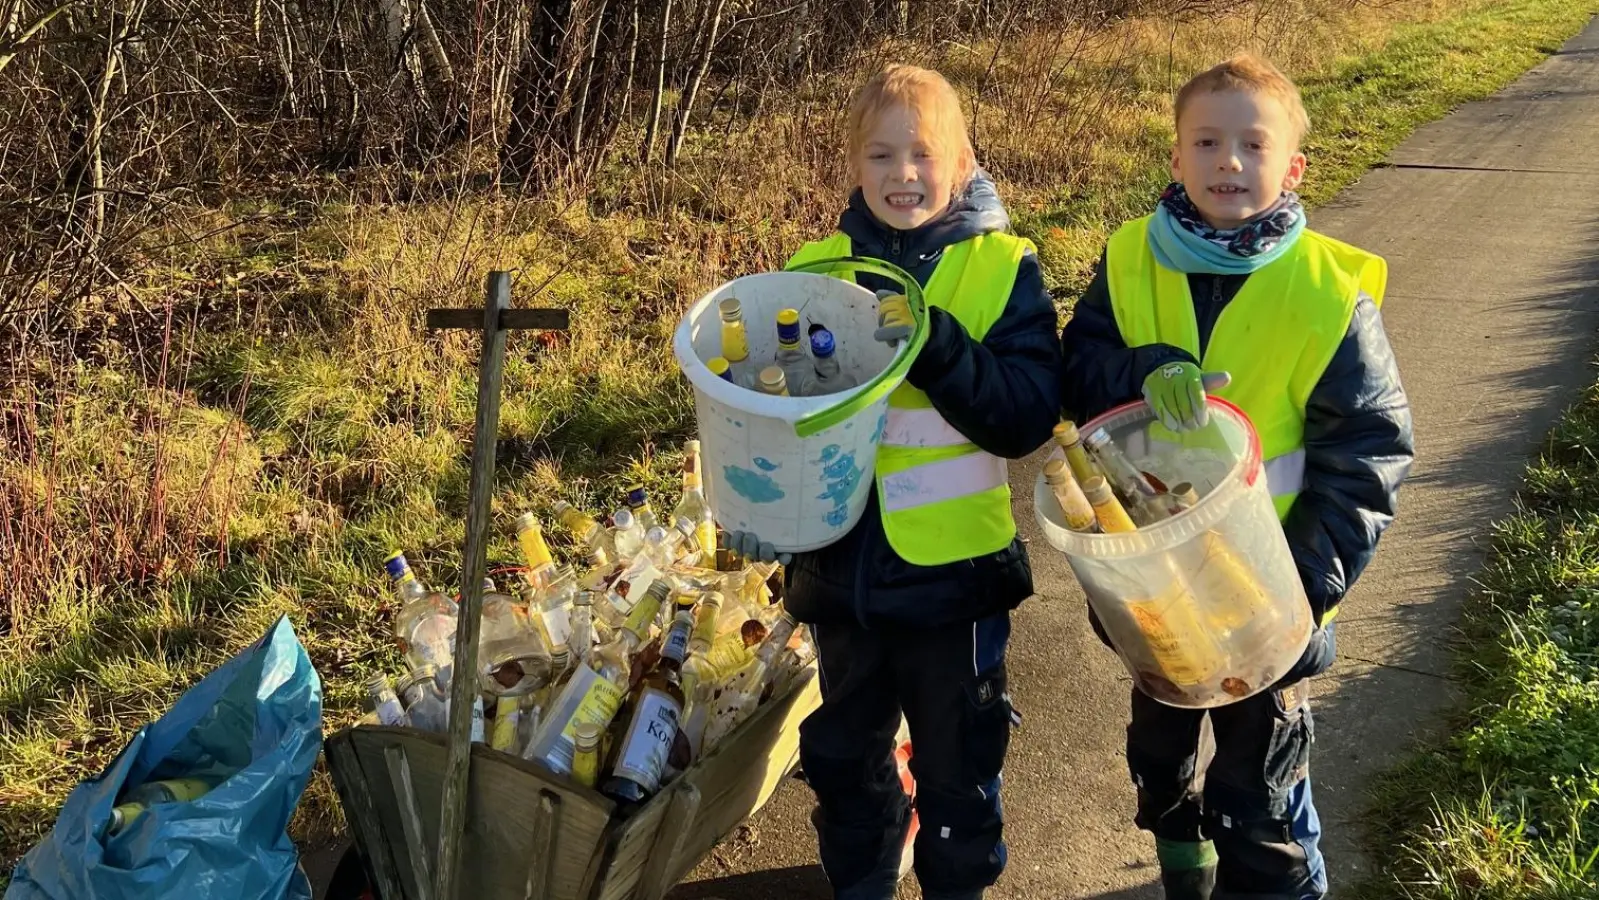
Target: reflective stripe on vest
[
  {"x": 1276, "y": 336},
  {"x": 963, "y": 476},
  {"x": 920, "y": 428},
  {"x": 1285, "y": 474},
  {"x": 942, "y": 499}
]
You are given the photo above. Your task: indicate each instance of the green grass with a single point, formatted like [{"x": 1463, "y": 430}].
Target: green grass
[
  {"x": 1508, "y": 806},
  {"x": 166, "y": 500}
]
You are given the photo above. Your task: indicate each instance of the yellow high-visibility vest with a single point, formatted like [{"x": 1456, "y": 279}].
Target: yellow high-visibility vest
[
  {"x": 1275, "y": 337},
  {"x": 942, "y": 498}
]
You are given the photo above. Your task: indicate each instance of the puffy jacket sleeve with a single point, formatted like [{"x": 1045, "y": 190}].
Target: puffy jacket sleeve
[
  {"x": 1358, "y": 449},
  {"x": 1099, "y": 371},
  {"x": 1002, "y": 392}
]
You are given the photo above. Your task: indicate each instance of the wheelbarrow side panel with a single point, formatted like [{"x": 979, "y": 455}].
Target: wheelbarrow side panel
[
  {"x": 524, "y": 827},
  {"x": 709, "y": 800}
]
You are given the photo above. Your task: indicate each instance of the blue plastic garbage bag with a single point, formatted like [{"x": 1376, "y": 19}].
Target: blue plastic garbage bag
[{"x": 254, "y": 728}]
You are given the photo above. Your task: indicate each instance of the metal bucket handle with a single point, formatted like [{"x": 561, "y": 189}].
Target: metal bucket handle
[{"x": 886, "y": 380}]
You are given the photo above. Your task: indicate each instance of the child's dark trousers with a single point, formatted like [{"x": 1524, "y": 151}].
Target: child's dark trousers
[
  {"x": 1254, "y": 802},
  {"x": 950, "y": 684}
]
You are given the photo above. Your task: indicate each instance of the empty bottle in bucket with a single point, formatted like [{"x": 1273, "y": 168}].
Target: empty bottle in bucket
[{"x": 1204, "y": 606}]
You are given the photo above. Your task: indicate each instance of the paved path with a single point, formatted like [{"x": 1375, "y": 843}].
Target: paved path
[{"x": 1490, "y": 222}]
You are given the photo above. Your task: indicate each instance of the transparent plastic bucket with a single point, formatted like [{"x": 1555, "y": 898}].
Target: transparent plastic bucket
[
  {"x": 797, "y": 471},
  {"x": 1204, "y": 608}
]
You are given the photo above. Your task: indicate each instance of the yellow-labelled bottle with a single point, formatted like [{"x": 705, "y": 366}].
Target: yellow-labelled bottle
[
  {"x": 507, "y": 715},
  {"x": 535, "y": 552},
  {"x": 774, "y": 382},
  {"x": 589, "y": 531},
  {"x": 586, "y": 754},
  {"x": 1071, "y": 443},
  {"x": 735, "y": 341},
  {"x": 1185, "y": 652},
  {"x": 1107, "y": 509},
  {"x": 693, "y": 509},
  {"x": 1073, "y": 504}
]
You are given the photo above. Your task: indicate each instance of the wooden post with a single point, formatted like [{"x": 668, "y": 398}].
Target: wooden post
[{"x": 494, "y": 319}]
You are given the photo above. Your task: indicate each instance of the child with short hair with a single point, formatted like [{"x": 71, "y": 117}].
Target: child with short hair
[
  {"x": 911, "y": 609},
  {"x": 1223, "y": 288}
]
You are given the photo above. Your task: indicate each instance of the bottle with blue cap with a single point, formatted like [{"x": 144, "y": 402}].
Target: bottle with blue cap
[
  {"x": 424, "y": 626},
  {"x": 798, "y": 373},
  {"x": 830, "y": 377}
]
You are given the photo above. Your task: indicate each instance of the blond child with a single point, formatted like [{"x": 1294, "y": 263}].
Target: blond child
[
  {"x": 1223, "y": 288},
  {"x": 911, "y": 609}
]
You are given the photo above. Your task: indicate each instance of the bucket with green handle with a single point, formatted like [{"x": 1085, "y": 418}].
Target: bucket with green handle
[{"x": 796, "y": 470}]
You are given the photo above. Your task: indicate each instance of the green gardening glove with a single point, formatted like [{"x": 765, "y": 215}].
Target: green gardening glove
[{"x": 1176, "y": 392}]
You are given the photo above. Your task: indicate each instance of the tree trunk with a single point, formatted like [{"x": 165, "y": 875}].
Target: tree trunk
[
  {"x": 536, "y": 96},
  {"x": 685, "y": 107},
  {"x": 586, "y": 81},
  {"x": 654, "y": 124},
  {"x": 632, "y": 59}
]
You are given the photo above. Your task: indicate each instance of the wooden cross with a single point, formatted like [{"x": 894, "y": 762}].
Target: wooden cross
[{"x": 494, "y": 320}]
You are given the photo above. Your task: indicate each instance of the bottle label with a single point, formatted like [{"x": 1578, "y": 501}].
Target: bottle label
[
  {"x": 477, "y": 720},
  {"x": 705, "y": 536},
  {"x": 505, "y": 722},
  {"x": 558, "y": 625},
  {"x": 1180, "y": 661},
  {"x": 535, "y": 552},
  {"x": 599, "y": 705},
  {"x": 676, "y": 645},
  {"x": 585, "y": 768},
  {"x": 735, "y": 346},
  {"x": 649, "y": 739}
]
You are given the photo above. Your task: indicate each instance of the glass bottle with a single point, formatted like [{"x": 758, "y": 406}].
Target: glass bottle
[
  {"x": 1068, "y": 493},
  {"x": 513, "y": 658},
  {"x": 1071, "y": 443},
  {"x": 581, "y": 640},
  {"x": 774, "y": 382},
  {"x": 1135, "y": 491},
  {"x": 735, "y": 342},
  {"x": 385, "y": 702},
  {"x": 541, "y": 567},
  {"x": 590, "y": 532},
  {"x": 720, "y": 368},
  {"x": 830, "y": 376},
  {"x": 639, "y": 757},
  {"x": 425, "y": 625},
  {"x": 693, "y": 508},
  {"x": 586, "y": 754},
  {"x": 1108, "y": 510},
  {"x": 424, "y": 702},
  {"x": 627, "y": 534},
  {"x": 798, "y": 370},
  {"x": 638, "y": 500},
  {"x": 139, "y": 799}
]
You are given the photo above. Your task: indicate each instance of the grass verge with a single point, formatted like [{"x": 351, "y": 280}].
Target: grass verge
[
  {"x": 1508, "y": 807},
  {"x": 263, "y": 418}
]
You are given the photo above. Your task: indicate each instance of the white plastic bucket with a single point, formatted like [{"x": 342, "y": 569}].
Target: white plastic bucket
[
  {"x": 795, "y": 470},
  {"x": 1204, "y": 608}
]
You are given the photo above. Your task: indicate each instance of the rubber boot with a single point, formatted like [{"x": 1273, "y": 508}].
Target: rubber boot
[{"x": 1187, "y": 868}]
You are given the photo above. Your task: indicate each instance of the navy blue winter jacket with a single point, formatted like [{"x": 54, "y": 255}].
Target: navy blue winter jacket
[
  {"x": 1002, "y": 392},
  {"x": 1358, "y": 445}
]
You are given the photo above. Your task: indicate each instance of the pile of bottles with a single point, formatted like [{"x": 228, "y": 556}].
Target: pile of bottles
[
  {"x": 1212, "y": 605},
  {"x": 792, "y": 372},
  {"x": 619, "y": 675},
  {"x": 1100, "y": 490}
]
